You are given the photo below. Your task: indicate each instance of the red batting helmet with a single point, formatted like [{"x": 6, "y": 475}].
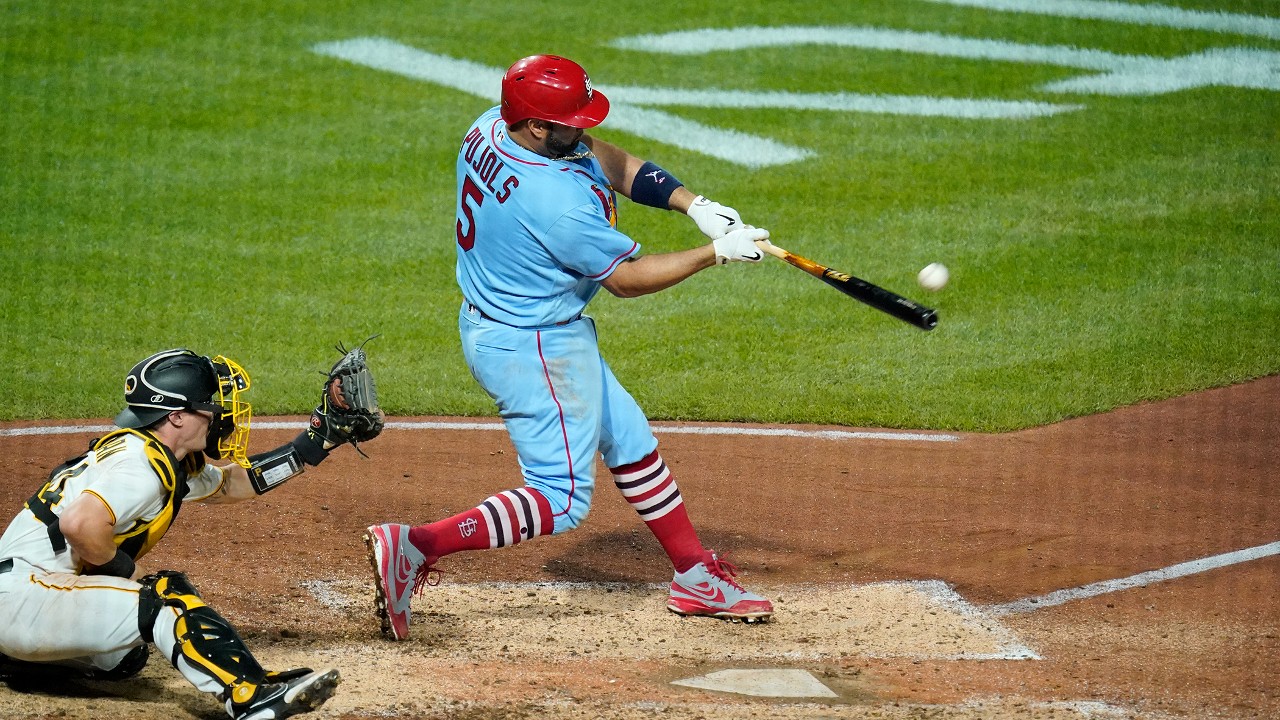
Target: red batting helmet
[{"x": 549, "y": 87}]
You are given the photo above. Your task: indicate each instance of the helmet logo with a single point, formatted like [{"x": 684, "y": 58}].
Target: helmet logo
[
  {"x": 157, "y": 398},
  {"x": 130, "y": 384},
  {"x": 588, "y": 81}
]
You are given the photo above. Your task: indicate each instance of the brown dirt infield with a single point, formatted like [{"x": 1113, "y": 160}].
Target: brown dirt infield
[{"x": 841, "y": 532}]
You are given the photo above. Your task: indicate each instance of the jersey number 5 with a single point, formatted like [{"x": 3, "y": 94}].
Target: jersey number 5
[{"x": 470, "y": 191}]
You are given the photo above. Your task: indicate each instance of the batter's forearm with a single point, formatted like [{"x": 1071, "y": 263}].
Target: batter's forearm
[
  {"x": 681, "y": 199},
  {"x": 621, "y": 167},
  {"x": 651, "y": 273}
]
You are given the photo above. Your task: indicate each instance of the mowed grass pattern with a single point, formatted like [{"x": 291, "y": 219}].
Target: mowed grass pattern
[{"x": 177, "y": 175}]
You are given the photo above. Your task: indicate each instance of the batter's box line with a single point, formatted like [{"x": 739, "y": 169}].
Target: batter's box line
[
  {"x": 945, "y": 595},
  {"x": 1193, "y": 567}
]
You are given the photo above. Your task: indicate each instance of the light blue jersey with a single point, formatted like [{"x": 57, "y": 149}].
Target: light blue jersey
[{"x": 535, "y": 237}]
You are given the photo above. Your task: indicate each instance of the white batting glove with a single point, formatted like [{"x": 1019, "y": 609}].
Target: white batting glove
[
  {"x": 740, "y": 246},
  {"x": 713, "y": 219}
]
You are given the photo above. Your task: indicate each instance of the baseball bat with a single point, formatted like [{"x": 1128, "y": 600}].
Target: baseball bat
[{"x": 877, "y": 297}]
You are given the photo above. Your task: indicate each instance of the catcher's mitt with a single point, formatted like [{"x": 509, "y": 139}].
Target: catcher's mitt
[{"x": 348, "y": 410}]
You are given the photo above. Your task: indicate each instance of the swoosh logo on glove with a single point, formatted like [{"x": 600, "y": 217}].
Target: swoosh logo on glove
[
  {"x": 732, "y": 222},
  {"x": 753, "y": 258}
]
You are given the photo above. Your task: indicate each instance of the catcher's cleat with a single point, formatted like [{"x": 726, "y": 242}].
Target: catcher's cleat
[
  {"x": 708, "y": 588},
  {"x": 286, "y": 699},
  {"x": 399, "y": 572}
]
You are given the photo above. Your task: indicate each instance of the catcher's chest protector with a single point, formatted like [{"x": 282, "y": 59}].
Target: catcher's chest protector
[{"x": 144, "y": 534}]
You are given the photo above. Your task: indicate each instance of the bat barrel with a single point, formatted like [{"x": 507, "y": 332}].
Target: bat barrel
[
  {"x": 922, "y": 317},
  {"x": 885, "y": 301},
  {"x": 928, "y": 319}
]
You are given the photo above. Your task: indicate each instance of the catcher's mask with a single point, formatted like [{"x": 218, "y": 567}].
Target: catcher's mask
[
  {"x": 182, "y": 380},
  {"x": 553, "y": 88}
]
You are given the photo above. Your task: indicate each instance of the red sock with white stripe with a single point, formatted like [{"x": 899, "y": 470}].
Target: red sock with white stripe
[
  {"x": 649, "y": 488},
  {"x": 503, "y": 519}
]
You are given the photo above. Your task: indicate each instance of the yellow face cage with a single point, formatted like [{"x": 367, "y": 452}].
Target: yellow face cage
[{"x": 233, "y": 380}]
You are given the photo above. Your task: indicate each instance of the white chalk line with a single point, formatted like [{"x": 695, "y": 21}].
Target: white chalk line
[
  {"x": 1121, "y": 12},
  {"x": 1249, "y": 68},
  {"x": 733, "y": 146},
  {"x": 698, "y": 42},
  {"x": 465, "y": 425},
  {"x": 1104, "y": 587},
  {"x": 946, "y": 596},
  {"x": 388, "y": 55},
  {"x": 485, "y": 82},
  {"x": 630, "y": 114},
  {"x": 915, "y": 105}
]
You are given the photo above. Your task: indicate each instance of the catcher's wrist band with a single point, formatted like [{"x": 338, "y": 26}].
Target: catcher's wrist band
[
  {"x": 308, "y": 448},
  {"x": 653, "y": 186},
  {"x": 270, "y": 469},
  {"x": 121, "y": 565}
]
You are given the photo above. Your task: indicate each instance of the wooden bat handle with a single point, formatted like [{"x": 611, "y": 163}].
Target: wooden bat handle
[
  {"x": 803, "y": 263},
  {"x": 772, "y": 249}
]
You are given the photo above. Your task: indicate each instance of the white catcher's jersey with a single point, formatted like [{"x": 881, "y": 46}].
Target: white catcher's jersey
[{"x": 134, "y": 475}]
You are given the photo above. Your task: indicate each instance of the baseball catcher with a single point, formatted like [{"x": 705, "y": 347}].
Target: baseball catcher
[{"x": 76, "y": 600}]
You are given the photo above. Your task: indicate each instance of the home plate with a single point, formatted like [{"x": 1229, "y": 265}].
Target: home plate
[{"x": 764, "y": 683}]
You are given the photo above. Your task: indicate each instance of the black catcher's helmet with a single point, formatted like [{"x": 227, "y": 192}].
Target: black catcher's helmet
[
  {"x": 171, "y": 380},
  {"x": 182, "y": 380}
]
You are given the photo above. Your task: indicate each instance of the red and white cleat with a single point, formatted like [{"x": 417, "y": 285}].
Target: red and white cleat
[
  {"x": 708, "y": 588},
  {"x": 399, "y": 571}
]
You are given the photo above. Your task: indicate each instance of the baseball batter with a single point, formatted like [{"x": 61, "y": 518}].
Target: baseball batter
[
  {"x": 73, "y": 598},
  {"x": 537, "y": 238}
]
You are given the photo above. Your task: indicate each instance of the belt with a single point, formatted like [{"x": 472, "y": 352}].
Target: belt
[
  {"x": 6, "y": 565},
  {"x": 471, "y": 307},
  {"x": 478, "y": 311}
]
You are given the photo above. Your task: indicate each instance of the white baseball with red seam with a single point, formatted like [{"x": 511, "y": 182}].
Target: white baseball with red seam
[{"x": 933, "y": 276}]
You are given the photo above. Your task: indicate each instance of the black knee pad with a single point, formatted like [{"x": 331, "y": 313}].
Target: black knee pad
[{"x": 151, "y": 597}]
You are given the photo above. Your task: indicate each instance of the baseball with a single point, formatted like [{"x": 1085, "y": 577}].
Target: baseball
[{"x": 934, "y": 276}]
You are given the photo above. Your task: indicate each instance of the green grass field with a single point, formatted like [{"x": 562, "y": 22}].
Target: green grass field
[{"x": 195, "y": 175}]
